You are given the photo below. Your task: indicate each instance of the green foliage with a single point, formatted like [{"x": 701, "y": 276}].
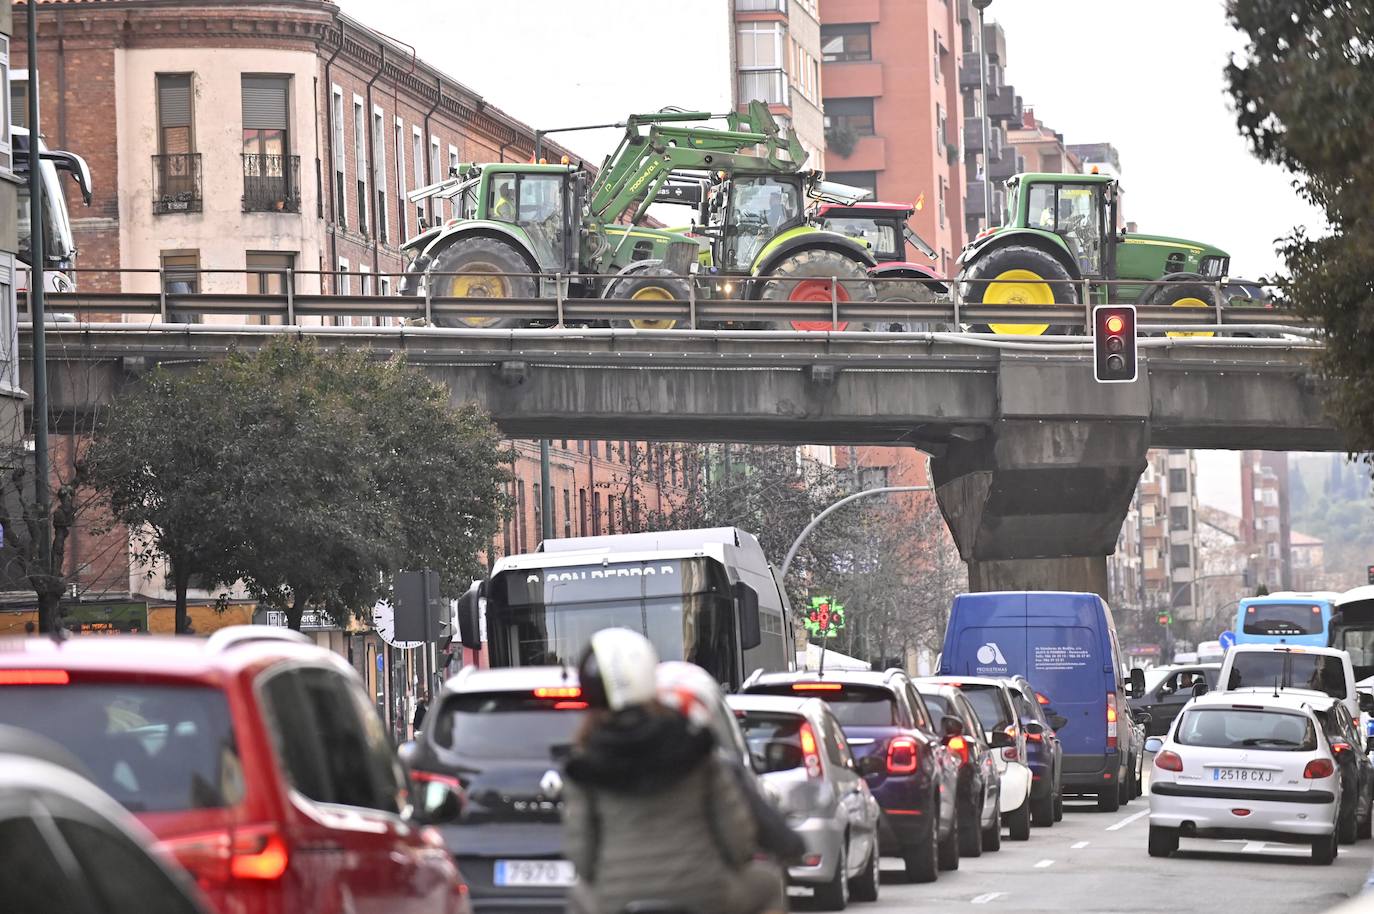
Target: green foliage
[
  {"x": 311, "y": 477},
  {"x": 841, "y": 141},
  {"x": 1303, "y": 90}
]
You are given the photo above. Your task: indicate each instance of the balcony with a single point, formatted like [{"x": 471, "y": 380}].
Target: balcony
[
  {"x": 854, "y": 79},
  {"x": 1005, "y": 165},
  {"x": 969, "y": 76},
  {"x": 176, "y": 183},
  {"x": 973, "y": 137},
  {"x": 764, "y": 85},
  {"x": 973, "y": 200},
  {"x": 761, "y": 6},
  {"x": 1005, "y": 106},
  {"x": 845, "y": 12},
  {"x": 271, "y": 183}
]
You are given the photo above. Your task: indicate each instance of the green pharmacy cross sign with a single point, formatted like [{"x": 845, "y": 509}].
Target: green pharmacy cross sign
[{"x": 826, "y": 617}]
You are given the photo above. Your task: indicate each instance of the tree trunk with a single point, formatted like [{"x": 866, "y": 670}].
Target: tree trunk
[
  {"x": 295, "y": 612},
  {"x": 181, "y": 579},
  {"x": 49, "y": 612}
]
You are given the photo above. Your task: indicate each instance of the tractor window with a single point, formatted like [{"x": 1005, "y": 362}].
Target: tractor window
[
  {"x": 501, "y": 202},
  {"x": 878, "y": 237},
  {"x": 1074, "y": 212},
  {"x": 760, "y": 206},
  {"x": 541, "y": 216}
]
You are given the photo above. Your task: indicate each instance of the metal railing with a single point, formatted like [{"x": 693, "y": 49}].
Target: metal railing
[
  {"x": 176, "y": 183},
  {"x": 271, "y": 183},
  {"x": 903, "y": 305}
]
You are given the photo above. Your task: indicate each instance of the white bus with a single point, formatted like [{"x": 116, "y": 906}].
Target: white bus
[{"x": 59, "y": 246}]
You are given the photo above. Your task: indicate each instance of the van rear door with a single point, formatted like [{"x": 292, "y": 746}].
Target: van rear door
[{"x": 1065, "y": 665}]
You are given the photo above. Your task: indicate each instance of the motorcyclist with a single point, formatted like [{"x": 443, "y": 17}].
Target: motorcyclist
[{"x": 650, "y": 811}]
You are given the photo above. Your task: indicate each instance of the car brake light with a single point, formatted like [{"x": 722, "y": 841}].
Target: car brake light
[
  {"x": 808, "y": 745},
  {"x": 901, "y": 755},
  {"x": 1339, "y": 747},
  {"x": 1034, "y": 737},
  {"x": 1013, "y": 752},
  {"x": 816, "y": 686},
  {"x": 257, "y": 853},
  {"x": 1168, "y": 761},
  {"x": 1111, "y": 720},
  {"x": 558, "y": 692},
  {"x": 34, "y": 677},
  {"x": 1042, "y": 698},
  {"x": 1319, "y": 768},
  {"x": 569, "y": 705},
  {"x": 959, "y": 746}
]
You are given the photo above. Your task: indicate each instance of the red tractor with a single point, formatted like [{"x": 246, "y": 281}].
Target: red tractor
[{"x": 883, "y": 229}]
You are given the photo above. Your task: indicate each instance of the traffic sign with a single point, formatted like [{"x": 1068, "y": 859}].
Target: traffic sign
[{"x": 1227, "y": 640}]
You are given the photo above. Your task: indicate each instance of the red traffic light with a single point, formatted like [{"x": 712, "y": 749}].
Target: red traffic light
[
  {"x": 1115, "y": 324},
  {"x": 1114, "y": 344}
]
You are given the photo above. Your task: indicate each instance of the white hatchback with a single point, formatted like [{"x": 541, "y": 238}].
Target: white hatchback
[{"x": 1253, "y": 766}]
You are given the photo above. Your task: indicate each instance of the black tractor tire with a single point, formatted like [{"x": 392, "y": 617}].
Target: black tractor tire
[
  {"x": 1019, "y": 257},
  {"x": 909, "y": 289},
  {"x": 480, "y": 253},
  {"x": 1167, "y": 293},
  {"x": 864, "y": 887},
  {"x": 1163, "y": 841},
  {"x": 653, "y": 283},
  {"x": 815, "y": 264},
  {"x": 949, "y": 847}
]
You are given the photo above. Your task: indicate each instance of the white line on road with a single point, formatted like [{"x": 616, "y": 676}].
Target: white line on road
[
  {"x": 1044, "y": 863},
  {"x": 1253, "y": 847},
  {"x": 1128, "y": 820},
  {"x": 1078, "y": 845},
  {"x": 990, "y": 896}
]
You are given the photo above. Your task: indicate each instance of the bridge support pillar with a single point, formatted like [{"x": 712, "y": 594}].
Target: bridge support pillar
[{"x": 1038, "y": 504}]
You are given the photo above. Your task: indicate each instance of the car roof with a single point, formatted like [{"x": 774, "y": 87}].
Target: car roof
[
  {"x": 1286, "y": 649},
  {"x": 776, "y": 704},
  {"x": 511, "y": 679},
  {"x": 881, "y": 679},
  {"x": 957, "y": 681},
  {"x": 1286, "y": 700}
]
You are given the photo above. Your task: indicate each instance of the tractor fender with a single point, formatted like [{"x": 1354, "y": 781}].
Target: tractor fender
[
  {"x": 772, "y": 255},
  {"x": 467, "y": 229},
  {"x": 1016, "y": 786},
  {"x": 1149, "y": 291},
  {"x": 969, "y": 258},
  {"x": 904, "y": 270}
]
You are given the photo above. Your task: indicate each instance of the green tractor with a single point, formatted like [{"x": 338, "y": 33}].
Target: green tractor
[
  {"x": 1061, "y": 230},
  {"x": 518, "y": 227}
]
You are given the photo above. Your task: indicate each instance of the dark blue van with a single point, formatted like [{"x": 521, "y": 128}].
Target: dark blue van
[{"x": 1065, "y": 644}]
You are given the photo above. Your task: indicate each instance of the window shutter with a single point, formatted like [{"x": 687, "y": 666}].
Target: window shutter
[
  {"x": 174, "y": 101},
  {"x": 264, "y": 102}
]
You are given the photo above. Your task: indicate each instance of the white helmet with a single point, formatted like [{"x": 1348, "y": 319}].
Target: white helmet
[
  {"x": 688, "y": 690},
  {"x": 617, "y": 669}
]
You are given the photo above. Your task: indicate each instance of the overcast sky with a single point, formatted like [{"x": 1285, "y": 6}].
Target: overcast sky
[{"x": 1144, "y": 75}]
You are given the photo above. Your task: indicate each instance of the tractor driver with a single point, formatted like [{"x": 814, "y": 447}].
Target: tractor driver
[{"x": 504, "y": 209}]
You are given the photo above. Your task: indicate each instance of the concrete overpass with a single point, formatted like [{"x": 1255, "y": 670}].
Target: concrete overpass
[{"x": 1034, "y": 462}]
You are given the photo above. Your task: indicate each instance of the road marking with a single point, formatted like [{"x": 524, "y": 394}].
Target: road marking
[
  {"x": 1044, "y": 863},
  {"x": 1253, "y": 847},
  {"x": 1128, "y": 820},
  {"x": 990, "y": 896},
  {"x": 1078, "y": 845}
]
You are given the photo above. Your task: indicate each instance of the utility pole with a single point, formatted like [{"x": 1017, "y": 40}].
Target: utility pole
[
  {"x": 38, "y": 259},
  {"x": 981, "y": 5}
]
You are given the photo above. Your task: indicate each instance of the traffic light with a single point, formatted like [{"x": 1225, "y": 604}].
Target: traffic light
[
  {"x": 1370, "y": 571},
  {"x": 1114, "y": 348},
  {"x": 1164, "y": 617}
]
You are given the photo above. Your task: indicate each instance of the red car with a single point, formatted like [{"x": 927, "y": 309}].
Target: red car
[{"x": 256, "y": 760}]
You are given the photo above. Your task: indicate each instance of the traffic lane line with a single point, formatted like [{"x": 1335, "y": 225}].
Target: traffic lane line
[
  {"x": 1079, "y": 845},
  {"x": 1043, "y": 864},
  {"x": 1128, "y": 820},
  {"x": 987, "y": 897}
]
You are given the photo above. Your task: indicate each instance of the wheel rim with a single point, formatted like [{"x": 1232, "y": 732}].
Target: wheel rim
[
  {"x": 814, "y": 290},
  {"x": 652, "y": 293},
  {"x": 1019, "y": 287},
  {"x": 1190, "y": 303},
  {"x": 476, "y": 285}
]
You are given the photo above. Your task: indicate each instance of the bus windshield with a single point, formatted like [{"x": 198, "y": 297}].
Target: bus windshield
[{"x": 547, "y": 616}]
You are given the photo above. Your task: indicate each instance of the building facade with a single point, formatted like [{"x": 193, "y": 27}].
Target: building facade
[
  {"x": 893, "y": 107},
  {"x": 1264, "y": 515},
  {"x": 11, "y": 397},
  {"x": 996, "y": 159},
  {"x": 777, "y": 60}
]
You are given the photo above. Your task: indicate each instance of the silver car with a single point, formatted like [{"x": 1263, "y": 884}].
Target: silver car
[{"x": 805, "y": 763}]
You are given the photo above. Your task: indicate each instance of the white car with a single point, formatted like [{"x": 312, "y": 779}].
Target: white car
[
  {"x": 1254, "y": 766},
  {"x": 1260, "y": 668}
]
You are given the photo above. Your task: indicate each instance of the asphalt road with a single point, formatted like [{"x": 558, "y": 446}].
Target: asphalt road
[{"x": 1096, "y": 862}]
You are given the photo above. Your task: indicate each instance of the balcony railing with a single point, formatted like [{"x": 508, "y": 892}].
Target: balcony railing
[
  {"x": 271, "y": 183},
  {"x": 176, "y": 183},
  {"x": 761, "y": 6},
  {"x": 765, "y": 86}
]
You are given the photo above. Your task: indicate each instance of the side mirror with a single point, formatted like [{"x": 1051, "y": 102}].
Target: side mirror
[
  {"x": 1199, "y": 688},
  {"x": 1058, "y": 721},
  {"x": 747, "y": 607},
  {"x": 438, "y": 799},
  {"x": 1000, "y": 739},
  {"x": 953, "y": 726},
  {"x": 1143, "y": 717},
  {"x": 470, "y": 616},
  {"x": 407, "y": 751},
  {"x": 1154, "y": 744},
  {"x": 1033, "y": 728},
  {"x": 1366, "y": 702},
  {"x": 1137, "y": 682}
]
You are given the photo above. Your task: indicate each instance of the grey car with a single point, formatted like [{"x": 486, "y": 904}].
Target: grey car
[{"x": 806, "y": 765}]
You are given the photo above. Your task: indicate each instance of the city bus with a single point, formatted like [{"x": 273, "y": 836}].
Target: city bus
[
  {"x": 709, "y": 597},
  {"x": 1285, "y": 617},
  {"x": 1352, "y": 629},
  {"x": 59, "y": 245}
]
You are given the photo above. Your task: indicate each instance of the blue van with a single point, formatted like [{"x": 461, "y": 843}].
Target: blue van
[
  {"x": 1285, "y": 618},
  {"x": 1066, "y": 645}
]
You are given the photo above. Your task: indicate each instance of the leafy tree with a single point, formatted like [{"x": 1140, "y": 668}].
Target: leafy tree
[
  {"x": 326, "y": 473},
  {"x": 1303, "y": 90}
]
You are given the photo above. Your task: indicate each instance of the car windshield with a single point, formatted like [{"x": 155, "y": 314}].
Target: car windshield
[
  {"x": 1283, "y": 619},
  {"x": 152, "y": 748},
  {"x": 990, "y": 704},
  {"x": 508, "y": 725},
  {"x": 854, "y": 706},
  {"x": 1289, "y": 670},
  {"x": 774, "y": 739},
  {"x": 1247, "y": 728}
]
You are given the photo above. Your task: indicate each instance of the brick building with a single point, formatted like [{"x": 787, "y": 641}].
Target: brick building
[{"x": 11, "y": 398}]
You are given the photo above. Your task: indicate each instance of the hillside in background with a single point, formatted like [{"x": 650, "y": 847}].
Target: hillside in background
[{"x": 1330, "y": 498}]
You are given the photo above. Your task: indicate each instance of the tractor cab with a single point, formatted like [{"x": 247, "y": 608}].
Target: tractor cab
[
  {"x": 1079, "y": 209},
  {"x": 752, "y": 210},
  {"x": 881, "y": 227}
]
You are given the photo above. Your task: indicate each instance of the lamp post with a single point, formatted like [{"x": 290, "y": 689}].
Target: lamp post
[
  {"x": 981, "y": 5},
  {"x": 815, "y": 521}
]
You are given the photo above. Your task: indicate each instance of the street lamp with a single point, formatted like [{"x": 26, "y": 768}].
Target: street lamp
[
  {"x": 815, "y": 521},
  {"x": 981, "y": 5}
]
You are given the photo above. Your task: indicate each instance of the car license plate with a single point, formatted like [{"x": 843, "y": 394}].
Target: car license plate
[
  {"x": 1243, "y": 775},
  {"x": 534, "y": 872}
]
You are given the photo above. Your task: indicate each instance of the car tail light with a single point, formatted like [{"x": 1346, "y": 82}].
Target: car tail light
[
  {"x": 1339, "y": 747},
  {"x": 817, "y": 686},
  {"x": 1013, "y": 752},
  {"x": 1034, "y": 737},
  {"x": 34, "y": 677},
  {"x": 901, "y": 755},
  {"x": 809, "y": 751},
  {"x": 250, "y": 853},
  {"x": 258, "y": 855},
  {"x": 1168, "y": 761},
  {"x": 559, "y": 692},
  {"x": 959, "y": 746},
  {"x": 1111, "y": 720},
  {"x": 1319, "y": 768},
  {"x": 1240, "y": 812},
  {"x": 1042, "y": 698},
  {"x": 569, "y": 705},
  {"x": 430, "y": 777}
]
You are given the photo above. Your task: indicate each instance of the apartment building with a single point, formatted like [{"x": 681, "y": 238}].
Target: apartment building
[
  {"x": 997, "y": 159},
  {"x": 777, "y": 60},
  {"x": 11, "y": 397},
  {"x": 893, "y": 108},
  {"x": 1265, "y": 527},
  {"x": 1039, "y": 148}
]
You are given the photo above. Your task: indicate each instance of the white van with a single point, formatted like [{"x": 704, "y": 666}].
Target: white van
[{"x": 1280, "y": 667}]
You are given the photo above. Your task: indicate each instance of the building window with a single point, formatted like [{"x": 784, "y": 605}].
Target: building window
[
  {"x": 337, "y": 142},
  {"x": 379, "y": 171},
  {"x": 360, "y": 160},
  {"x": 436, "y": 175},
  {"x": 866, "y": 179},
  {"x": 9, "y": 114},
  {"x": 181, "y": 276},
  {"x": 271, "y": 174},
  {"x": 942, "y": 201},
  {"x": 846, "y": 42},
  {"x": 852, "y": 114},
  {"x": 610, "y": 513},
  {"x": 384, "y": 287},
  {"x": 1181, "y": 556},
  {"x": 267, "y": 272},
  {"x": 452, "y": 162},
  {"x": 403, "y": 224},
  {"x": 521, "y": 531},
  {"x": 1178, "y": 480},
  {"x": 567, "y": 513},
  {"x": 582, "y": 512},
  {"x": 538, "y": 514},
  {"x": 761, "y": 6},
  {"x": 9, "y": 339},
  {"x": 365, "y": 286},
  {"x": 938, "y": 55},
  {"x": 176, "y": 167},
  {"x": 417, "y": 157},
  {"x": 761, "y": 62},
  {"x": 596, "y": 514},
  {"x": 344, "y": 286},
  {"x": 1178, "y": 518},
  {"x": 174, "y": 114}
]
